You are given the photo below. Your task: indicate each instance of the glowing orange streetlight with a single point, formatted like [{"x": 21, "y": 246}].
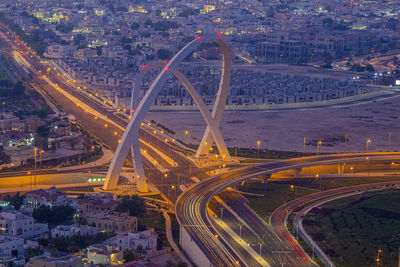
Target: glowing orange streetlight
[
  {"x": 368, "y": 142},
  {"x": 318, "y": 145}
]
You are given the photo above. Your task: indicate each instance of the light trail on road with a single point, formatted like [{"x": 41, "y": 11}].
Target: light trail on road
[{"x": 191, "y": 207}]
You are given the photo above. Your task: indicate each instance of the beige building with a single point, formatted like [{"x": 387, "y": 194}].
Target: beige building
[
  {"x": 113, "y": 222},
  {"x": 66, "y": 261},
  {"x": 89, "y": 206},
  {"x": 10, "y": 122},
  {"x": 47, "y": 197},
  {"x": 100, "y": 254}
]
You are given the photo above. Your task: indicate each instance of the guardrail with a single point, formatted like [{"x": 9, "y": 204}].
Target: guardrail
[{"x": 317, "y": 250}]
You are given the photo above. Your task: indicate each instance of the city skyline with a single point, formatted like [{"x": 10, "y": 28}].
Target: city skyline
[{"x": 199, "y": 133}]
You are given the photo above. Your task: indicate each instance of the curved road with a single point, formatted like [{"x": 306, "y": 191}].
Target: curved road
[
  {"x": 279, "y": 216},
  {"x": 192, "y": 213}
]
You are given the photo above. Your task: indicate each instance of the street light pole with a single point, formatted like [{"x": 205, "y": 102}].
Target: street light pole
[
  {"x": 165, "y": 176},
  {"x": 258, "y": 148},
  {"x": 40, "y": 162},
  {"x": 34, "y": 183},
  {"x": 368, "y": 142},
  {"x": 187, "y": 133},
  {"x": 378, "y": 258},
  {"x": 318, "y": 145}
]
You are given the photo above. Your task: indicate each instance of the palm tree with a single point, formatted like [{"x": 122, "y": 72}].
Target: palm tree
[{"x": 139, "y": 249}]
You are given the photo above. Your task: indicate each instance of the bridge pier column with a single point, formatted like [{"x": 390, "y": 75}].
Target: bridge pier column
[
  {"x": 297, "y": 172},
  {"x": 341, "y": 168},
  {"x": 266, "y": 177},
  {"x": 236, "y": 186}
]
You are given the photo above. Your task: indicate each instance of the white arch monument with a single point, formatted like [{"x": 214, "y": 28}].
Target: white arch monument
[{"x": 131, "y": 134}]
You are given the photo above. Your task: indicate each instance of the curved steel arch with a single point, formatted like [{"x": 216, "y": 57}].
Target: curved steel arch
[
  {"x": 192, "y": 91},
  {"x": 222, "y": 95},
  {"x": 138, "y": 82},
  {"x": 131, "y": 134}
]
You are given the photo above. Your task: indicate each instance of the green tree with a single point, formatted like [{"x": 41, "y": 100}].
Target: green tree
[
  {"x": 145, "y": 34},
  {"x": 42, "y": 142},
  {"x": 43, "y": 241},
  {"x": 392, "y": 23},
  {"x": 65, "y": 28},
  {"x": 370, "y": 68},
  {"x": 164, "y": 25},
  {"x": 327, "y": 21},
  {"x": 126, "y": 40},
  {"x": 16, "y": 201},
  {"x": 79, "y": 38},
  {"x": 163, "y": 53},
  {"x": 148, "y": 23},
  {"x": 43, "y": 113},
  {"x": 42, "y": 214},
  {"x": 111, "y": 8},
  {"x": 122, "y": 9},
  {"x": 129, "y": 255},
  {"x": 99, "y": 50},
  {"x": 32, "y": 252},
  {"x": 134, "y": 26},
  {"x": 43, "y": 131},
  {"x": 357, "y": 67},
  {"x": 139, "y": 250},
  {"x": 73, "y": 141},
  {"x": 134, "y": 205},
  {"x": 54, "y": 215}
]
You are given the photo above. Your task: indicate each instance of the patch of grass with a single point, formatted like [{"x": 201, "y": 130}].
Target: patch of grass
[
  {"x": 154, "y": 220},
  {"x": 325, "y": 184},
  {"x": 155, "y": 196},
  {"x": 351, "y": 230},
  {"x": 275, "y": 194},
  {"x": 89, "y": 190},
  {"x": 253, "y": 153},
  {"x": 4, "y": 75},
  {"x": 175, "y": 229}
]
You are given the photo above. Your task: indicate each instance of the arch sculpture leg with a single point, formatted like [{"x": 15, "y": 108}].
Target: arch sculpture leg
[
  {"x": 222, "y": 96},
  {"x": 211, "y": 124},
  {"x": 131, "y": 134},
  {"x": 138, "y": 167}
]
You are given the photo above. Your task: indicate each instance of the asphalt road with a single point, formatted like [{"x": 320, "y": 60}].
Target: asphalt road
[
  {"x": 192, "y": 214},
  {"x": 191, "y": 207},
  {"x": 276, "y": 249},
  {"x": 97, "y": 126},
  {"x": 279, "y": 216}
]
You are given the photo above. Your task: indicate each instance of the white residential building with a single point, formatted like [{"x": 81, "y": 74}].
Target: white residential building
[
  {"x": 100, "y": 254},
  {"x": 65, "y": 261},
  {"x": 47, "y": 197},
  {"x": 67, "y": 231},
  {"x": 146, "y": 239},
  {"x": 11, "y": 246},
  {"x": 16, "y": 224},
  {"x": 60, "y": 51}
]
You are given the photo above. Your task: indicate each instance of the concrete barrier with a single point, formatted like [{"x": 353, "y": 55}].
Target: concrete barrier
[{"x": 192, "y": 250}]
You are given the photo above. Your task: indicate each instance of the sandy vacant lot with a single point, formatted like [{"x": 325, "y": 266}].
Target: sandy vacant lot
[{"x": 285, "y": 130}]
